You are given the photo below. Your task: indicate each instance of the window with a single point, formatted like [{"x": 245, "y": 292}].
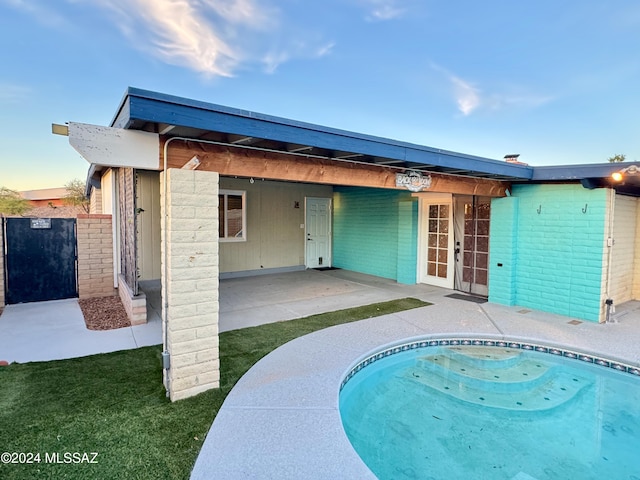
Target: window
[{"x": 232, "y": 216}]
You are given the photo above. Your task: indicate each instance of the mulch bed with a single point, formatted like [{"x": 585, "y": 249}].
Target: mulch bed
[{"x": 104, "y": 313}]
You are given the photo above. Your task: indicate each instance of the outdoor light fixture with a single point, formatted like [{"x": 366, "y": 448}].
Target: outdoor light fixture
[
  {"x": 620, "y": 174},
  {"x": 192, "y": 164}
]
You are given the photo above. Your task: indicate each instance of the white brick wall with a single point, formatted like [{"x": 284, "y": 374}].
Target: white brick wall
[{"x": 190, "y": 289}]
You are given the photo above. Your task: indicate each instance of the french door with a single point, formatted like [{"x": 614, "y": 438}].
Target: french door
[
  {"x": 436, "y": 240},
  {"x": 472, "y": 215}
]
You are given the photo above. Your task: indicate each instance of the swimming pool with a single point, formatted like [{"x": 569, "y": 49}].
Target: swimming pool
[{"x": 473, "y": 408}]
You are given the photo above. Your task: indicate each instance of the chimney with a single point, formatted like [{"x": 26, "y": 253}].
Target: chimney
[{"x": 513, "y": 158}]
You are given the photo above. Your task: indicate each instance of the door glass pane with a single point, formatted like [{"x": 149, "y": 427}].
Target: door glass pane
[
  {"x": 431, "y": 269},
  {"x": 442, "y": 270}
]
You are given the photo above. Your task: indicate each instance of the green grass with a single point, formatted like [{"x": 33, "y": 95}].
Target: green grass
[{"x": 114, "y": 404}]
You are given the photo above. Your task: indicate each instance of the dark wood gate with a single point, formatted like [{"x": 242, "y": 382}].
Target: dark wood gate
[{"x": 40, "y": 259}]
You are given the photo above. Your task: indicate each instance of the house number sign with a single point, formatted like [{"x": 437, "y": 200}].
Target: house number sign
[
  {"x": 413, "y": 181},
  {"x": 40, "y": 223}
]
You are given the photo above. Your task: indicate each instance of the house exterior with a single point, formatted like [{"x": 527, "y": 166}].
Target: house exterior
[
  {"x": 50, "y": 203},
  {"x": 45, "y": 197},
  {"x": 199, "y": 192}
]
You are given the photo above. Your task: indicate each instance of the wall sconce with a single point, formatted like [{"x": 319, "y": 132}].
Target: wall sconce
[
  {"x": 192, "y": 164},
  {"x": 620, "y": 174}
]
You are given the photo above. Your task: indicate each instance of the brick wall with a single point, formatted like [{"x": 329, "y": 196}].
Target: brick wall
[
  {"x": 558, "y": 234},
  {"x": 366, "y": 231},
  {"x": 95, "y": 256},
  {"x": 190, "y": 286},
  {"x": 134, "y": 305},
  {"x": 407, "y": 257},
  {"x": 502, "y": 250},
  {"x": 95, "y": 200}
]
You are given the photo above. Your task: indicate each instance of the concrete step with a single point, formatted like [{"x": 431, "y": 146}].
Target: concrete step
[
  {"x": 496, "y": 378},
  {"x": 498, "y": 371}
]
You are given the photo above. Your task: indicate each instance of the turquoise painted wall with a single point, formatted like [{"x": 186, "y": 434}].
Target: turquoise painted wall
[
  {"x": 375, "y": 232},
  {"x": 549, "y": 250}
]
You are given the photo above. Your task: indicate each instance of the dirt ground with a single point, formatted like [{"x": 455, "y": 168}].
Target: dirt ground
[{"x": 104, "y": 313}]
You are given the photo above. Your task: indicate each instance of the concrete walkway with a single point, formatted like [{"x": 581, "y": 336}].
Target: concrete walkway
[
  {"x": 281, "y": 420},
  {"x": 55, "y": 330}
]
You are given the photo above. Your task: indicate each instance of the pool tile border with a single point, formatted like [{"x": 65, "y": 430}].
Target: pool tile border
[{"x": 603, "y": 362}]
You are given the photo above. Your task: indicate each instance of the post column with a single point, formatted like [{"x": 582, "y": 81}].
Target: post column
[{"x": 190, "y": 269}]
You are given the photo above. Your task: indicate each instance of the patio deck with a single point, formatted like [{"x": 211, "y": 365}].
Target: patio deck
[{"x": 281, "y": 420}]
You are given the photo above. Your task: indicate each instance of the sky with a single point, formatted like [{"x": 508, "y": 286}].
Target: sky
[{"x": 557, "y": 82}]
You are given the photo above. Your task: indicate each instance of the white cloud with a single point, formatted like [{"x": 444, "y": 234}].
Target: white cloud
[
  {"x": 325, "y": 50},
  {"x": 38, "y": 10},
  {"x": 467, "y": 96},
  {"x": 470, "y": 98},
  {"x": 516, "y": 100},
  {"x": 190, "y": 33},
  {"x": 380, "y": 10},
  {"x": 211, "y": 37},
  {"x": 11, "y": 94},
  {"x": 273, "y": 59}
]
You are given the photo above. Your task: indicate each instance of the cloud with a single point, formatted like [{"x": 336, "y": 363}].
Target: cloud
[
  {"x": 273, "y": 59},
  {"x": 11, "y": 94},
  {"x": 197, "y": 34},
  {"x": 470, "y": 98},
  {"x": 467, "y": 96},
  {"x": 42, "y": 14},
  {"x": 325, "y": 50},
  {"x": 211, "y": 37},
  {"x": 381, "y": 10}
]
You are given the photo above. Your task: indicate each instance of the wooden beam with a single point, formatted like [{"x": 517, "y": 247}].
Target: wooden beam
[{"x": 230, "y": 161}]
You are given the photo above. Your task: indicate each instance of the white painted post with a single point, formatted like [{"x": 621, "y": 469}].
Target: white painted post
[{"x": 190, "y": 268}]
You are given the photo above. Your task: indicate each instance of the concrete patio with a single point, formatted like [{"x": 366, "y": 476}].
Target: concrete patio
[
  {"x": 281, "y": 420},
  {"x": 284, "y": 411},
  {"x": 54, "y": 330}
]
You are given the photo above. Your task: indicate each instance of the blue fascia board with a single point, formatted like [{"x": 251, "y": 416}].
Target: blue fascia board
[
  {"x": 151, "y": 106},
  {"x": 578, "y": 172}
]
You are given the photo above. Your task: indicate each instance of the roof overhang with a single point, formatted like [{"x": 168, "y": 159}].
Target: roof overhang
[
  {"x": 169, "y": 115},
  {"x": 596, "y": 175}
]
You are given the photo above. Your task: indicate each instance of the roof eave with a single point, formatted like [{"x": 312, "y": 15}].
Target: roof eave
[{"x": 146, "y": 106}]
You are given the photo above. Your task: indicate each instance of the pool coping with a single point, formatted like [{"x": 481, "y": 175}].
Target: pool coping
[{"x": 281, "y": 420}]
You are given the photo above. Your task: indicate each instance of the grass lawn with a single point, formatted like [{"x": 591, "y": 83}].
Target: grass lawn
[{"x": 115, "y": 405}]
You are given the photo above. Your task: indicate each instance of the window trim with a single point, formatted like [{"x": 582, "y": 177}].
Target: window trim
[{"x": 225, "y": 194}]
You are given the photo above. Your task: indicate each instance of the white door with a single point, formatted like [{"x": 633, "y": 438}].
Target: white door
[
  {"x": 317, "y": 232},
  {"x": 436, "y": 241}
]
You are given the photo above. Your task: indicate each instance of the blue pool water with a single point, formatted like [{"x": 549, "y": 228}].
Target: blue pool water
[{"x": 487, "y": 412}]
